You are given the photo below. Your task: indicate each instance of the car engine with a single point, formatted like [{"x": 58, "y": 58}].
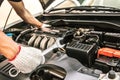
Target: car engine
[{"x": 72, "y": 51}]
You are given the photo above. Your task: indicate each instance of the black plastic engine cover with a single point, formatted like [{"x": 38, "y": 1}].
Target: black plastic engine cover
[{"x": 85, "y": 53}]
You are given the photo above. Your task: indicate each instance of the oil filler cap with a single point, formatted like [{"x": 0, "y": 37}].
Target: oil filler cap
[{"x": 111, "y": 74}]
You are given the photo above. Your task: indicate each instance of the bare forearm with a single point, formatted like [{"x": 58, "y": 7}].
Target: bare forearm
[
  {"x": 8, "y": 47},
  {"x": 27, "y": 17},
  {"x": 24, "y": 13}
]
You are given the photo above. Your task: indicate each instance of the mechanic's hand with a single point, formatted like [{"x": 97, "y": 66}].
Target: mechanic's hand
[
  {"x": 28, "y": 59},
  {"x": 45, "y": 27}
]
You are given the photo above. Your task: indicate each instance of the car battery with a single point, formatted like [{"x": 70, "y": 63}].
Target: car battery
[
  {"x": 107, "y": 59},
  {"x": 109, "y": 52},
  {"x": 85, "y": 53}
]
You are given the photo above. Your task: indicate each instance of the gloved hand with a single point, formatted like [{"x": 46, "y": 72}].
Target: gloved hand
[
  {"x": 28, "y": 59},
  {"x": 45, "y": 27}
]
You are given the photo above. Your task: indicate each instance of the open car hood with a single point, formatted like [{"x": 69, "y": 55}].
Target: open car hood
[
  {"x": 46, "y": 3},
  {"x": 84, "y": 43},
  {"x": 49, "y": 5}
]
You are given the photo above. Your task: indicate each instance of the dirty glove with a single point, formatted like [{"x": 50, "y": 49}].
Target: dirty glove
[
  {"x": 45, "y": 27},
  {"x": 28, "y": 59}
]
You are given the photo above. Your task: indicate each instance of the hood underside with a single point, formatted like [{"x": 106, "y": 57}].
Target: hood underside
[{"x": 45, "y": 3}]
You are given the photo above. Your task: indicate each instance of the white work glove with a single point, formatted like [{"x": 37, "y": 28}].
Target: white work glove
[
  {"x": 45, "y": 27},
  {"x": 28, "y": 59}
]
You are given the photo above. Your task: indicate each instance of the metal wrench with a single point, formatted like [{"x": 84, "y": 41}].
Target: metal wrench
[{"x": 57, "y": 44}]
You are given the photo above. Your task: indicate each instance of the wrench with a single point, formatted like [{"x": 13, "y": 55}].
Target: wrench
[{"x": 57, "y": 44}]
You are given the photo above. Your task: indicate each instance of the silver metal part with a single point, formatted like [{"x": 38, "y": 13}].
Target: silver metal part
[{"x": 57, "y": 44}]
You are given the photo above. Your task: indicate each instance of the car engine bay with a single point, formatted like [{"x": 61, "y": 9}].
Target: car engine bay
[{"x": 74, "y": 50}]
